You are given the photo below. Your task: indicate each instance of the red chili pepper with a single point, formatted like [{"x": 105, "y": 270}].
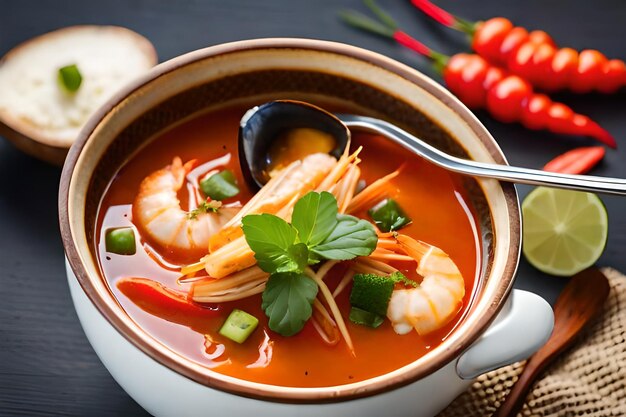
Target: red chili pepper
[
  {"x": 576, "y": 161},
  {"x": 156, "y": 299},
  {"x": 479, "y": 84},
  {"x": 535, "y": 56}
]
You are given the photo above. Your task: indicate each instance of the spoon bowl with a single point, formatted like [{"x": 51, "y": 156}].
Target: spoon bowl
[{"x": 261, "y": 125}]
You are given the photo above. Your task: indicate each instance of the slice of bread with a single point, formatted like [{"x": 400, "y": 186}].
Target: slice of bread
[{"x": 39, "y": 116}]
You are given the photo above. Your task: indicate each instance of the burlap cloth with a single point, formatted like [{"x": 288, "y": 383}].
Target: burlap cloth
[{"x": 588, "y": 380}]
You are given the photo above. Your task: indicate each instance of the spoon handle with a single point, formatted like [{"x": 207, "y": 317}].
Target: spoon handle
[
  {"x": 514, "y": 400},
  {"x": 480, "y": 169}
]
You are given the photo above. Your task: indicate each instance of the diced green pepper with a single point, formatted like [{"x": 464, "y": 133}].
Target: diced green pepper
[
  {"x": 371, "y": 293},
  {"x": 120, "y": 241},
  {"x": 365, "y": 318},
  {"x": 389, "y": 216},
  {"x": 238, "y": 326},
  {"x": 70, "y": 78},
  {"x": 220, "y": 186}
]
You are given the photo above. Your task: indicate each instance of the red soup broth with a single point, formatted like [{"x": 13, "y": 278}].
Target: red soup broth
[{"x": 432, "y": 197}]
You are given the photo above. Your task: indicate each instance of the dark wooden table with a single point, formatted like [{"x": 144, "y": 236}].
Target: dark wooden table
[{"x": 46, "y": 365}]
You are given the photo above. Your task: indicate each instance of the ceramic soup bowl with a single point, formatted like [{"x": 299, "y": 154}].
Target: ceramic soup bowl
[{"x": 501, "y": 325}]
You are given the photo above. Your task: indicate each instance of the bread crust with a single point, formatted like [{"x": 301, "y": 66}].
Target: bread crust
[{"x": 38, "y": 141}]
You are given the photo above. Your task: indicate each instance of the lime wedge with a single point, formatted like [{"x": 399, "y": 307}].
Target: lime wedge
[{"x": 564, "y": 231}]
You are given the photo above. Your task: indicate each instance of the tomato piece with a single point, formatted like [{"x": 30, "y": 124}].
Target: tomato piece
[
  {"x": 488, "y": 38},
  {"x": 589, "y": 71},
  {"x": 535, "y": 112},
  {"x": 506, "y": 99},
  {"x": 564, "y": 64}
]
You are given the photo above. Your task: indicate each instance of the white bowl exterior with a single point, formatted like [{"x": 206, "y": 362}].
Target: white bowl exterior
[{"x": 163, "y": 392}]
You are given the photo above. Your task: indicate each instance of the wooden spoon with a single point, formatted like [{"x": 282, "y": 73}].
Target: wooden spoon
[{"x": 580, "y": 301}]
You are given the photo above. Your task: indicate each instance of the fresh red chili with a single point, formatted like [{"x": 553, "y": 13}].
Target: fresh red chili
[
  {"x": 479, "y": 84},
  {"x": 535, "y": 56},
  {"x": 576, "y": 161},
  {"x": 156, "y": 299}
]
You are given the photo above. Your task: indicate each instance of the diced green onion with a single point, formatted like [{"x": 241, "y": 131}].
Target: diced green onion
[
  {"x": 365, "y": 318},
  {"x": 120, "y": 241},
  {"x": 399, "y": 277},
  {"x": 70, "y": 78},
  {"x": 389, "y": 216},
  {"x": 371, "y": 292},
  {"x": 238, "y": 326},
  {"x": 220, "y": 186}
]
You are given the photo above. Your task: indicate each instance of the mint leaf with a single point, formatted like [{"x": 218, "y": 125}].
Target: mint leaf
[
  {"x": 220, "y": 186},
  {"x": 287, "y": 300},
  {"x": 314, "y": 217},
  {"x": 300, "y": 254},
  {"x": 350, "y": 238},
  {"x": 272, "y": 240}
]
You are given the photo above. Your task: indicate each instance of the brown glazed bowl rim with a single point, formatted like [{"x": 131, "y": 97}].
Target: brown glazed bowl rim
[{"x": 139, "y": 338}]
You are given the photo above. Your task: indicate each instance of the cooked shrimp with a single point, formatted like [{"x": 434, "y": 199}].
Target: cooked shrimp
[
  {"x": 233, "y": 253},
  {"x": 438, "y": 297},
  {"x": 157, "y": 212},
  {"x": 286, "y": 186}
]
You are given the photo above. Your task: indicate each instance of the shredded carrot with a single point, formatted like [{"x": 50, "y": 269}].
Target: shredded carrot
[
  {"x": 371, "y": 193},
  {"x": 387, "y": 255},
  {"x": 372, "y": 266},
  {"x": 338, "y": 171}
]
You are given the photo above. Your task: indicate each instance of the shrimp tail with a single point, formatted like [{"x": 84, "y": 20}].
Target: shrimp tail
[{"x": 438, "y": 298}]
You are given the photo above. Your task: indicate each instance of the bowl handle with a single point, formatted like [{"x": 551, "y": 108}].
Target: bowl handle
[{"x": 522, "y": 327}]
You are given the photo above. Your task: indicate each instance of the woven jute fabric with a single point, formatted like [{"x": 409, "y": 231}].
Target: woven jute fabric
[{"x": 588, "y": 380}]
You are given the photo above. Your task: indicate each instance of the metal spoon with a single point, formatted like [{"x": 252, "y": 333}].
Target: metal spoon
[
  {"x": 423, "y": 149},
  {"x": 581, "y": 300}
]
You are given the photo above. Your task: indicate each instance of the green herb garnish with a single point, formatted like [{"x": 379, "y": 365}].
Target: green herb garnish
[
  {"x": 70, "y": 78},
  {"x": 351, "y": 237},
  {"x": 220, "y": 186},
  {"x": 365, "y": 318},
  {"x": 284, "y": 250},
  {"x": 287, "y": 300},
  {"x": 120, "y": 240},
  {"x": 205, "y": 207},
  {"x": 274, "y": 243},
  {"x": 399, "y": 277},
  {"x": 389, "y": 216}
]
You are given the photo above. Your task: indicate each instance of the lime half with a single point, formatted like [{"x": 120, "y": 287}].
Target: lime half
[{"x": 564, "y": 231}]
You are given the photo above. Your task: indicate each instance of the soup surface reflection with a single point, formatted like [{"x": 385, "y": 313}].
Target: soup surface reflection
[{"x": 433, "y": 198}]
